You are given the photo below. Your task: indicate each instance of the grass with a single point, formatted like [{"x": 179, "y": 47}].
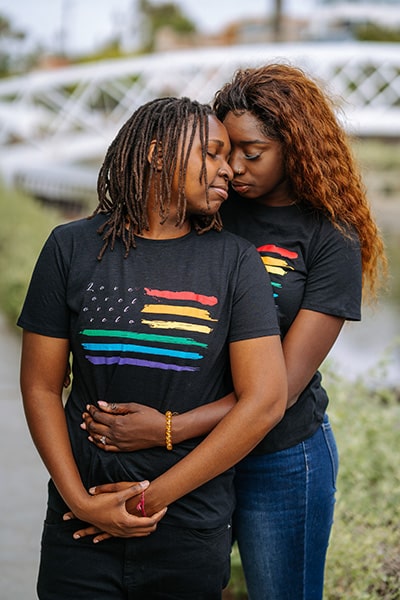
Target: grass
[
  {"x": 364, "y": 554},
  {"x": 23, "y": 230}
]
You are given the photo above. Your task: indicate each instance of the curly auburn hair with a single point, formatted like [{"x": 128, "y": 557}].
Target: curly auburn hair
[
  {"x": 319, "y": 163},
  {"x": 126, "y": 175}
]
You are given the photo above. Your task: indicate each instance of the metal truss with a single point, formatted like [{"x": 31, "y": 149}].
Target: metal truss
[{"x": 70, "y": 115}]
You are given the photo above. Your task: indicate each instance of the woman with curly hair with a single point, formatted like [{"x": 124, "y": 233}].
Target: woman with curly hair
[{"x": 297, "y": 195}]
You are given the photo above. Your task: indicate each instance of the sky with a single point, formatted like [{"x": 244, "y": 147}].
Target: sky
[{"x": 80, "y": 26}]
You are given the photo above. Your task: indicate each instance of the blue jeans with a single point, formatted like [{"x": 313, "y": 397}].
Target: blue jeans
[{"x": 284, "y": 515}]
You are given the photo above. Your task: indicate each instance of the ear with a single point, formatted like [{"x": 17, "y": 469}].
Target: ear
[{"x": 155, "y": 147}]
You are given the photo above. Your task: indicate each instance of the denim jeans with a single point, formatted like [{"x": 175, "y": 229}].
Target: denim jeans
[
  {"x": 284, "y": 515},
  {"x": 172, "y": 563}
]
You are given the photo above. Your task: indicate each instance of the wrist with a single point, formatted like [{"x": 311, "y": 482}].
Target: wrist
[
  {"x": 168, "y": 441},
  {"x": 141, "y": 505},
  {"x": 80, "y": 506},
  {"x": 154, "y": 499},
  {"x": 179, "y": 428}
]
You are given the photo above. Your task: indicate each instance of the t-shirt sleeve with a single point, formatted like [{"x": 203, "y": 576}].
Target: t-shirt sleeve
[
  {"x": 334, "y": 278},
  {"x": 45, "y": 309},
  {"x": 253, "y": 311}
]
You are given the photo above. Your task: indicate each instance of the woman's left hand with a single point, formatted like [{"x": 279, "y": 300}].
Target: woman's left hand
[{"x": 124, "y": 427}]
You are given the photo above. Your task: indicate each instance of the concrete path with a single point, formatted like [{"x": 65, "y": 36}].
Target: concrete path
[{"x": 23, "y": 482}]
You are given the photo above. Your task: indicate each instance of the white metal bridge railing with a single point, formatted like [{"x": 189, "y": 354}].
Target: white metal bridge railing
[{"x": 70, "y": 115}]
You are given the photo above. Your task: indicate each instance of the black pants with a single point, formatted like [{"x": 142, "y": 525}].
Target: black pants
[{"x": 172, "y": 563}]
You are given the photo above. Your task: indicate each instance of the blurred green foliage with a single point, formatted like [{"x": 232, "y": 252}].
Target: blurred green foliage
[
  {"x": 380, "y": 163},
  {"x": 364, "y": 555},
  {"x": 24, "y": 226},
  {"x": 373, "y": 32},
  {"x": 363, "y": 560}
]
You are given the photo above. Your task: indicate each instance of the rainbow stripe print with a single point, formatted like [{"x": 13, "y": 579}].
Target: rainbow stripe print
[
  {"x": 275, "y": 260},
  {"x": 178, "y": 323}
]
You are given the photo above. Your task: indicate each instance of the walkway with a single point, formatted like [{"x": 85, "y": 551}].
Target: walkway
[{"x": 23, "y": 482}]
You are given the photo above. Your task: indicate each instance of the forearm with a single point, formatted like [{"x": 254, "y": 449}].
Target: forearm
[
  {"x": 262, "y": 397},
  {"x": 46, "y": 420},
  {"x": 107, "y": 512},
  {"x": 43, "y": 366},
  {"x": 200, "y": 421},
  {"x": 232, "y": 439},
  {"x": 44, "y": 363},
  {"x": 305, "y": 347}
]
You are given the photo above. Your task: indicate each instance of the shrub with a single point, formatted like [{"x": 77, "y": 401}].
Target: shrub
[
  {"x": 363, "y": 560},
  {"x": 23, "y": 230},
  {"x": 364, "y": 554}
]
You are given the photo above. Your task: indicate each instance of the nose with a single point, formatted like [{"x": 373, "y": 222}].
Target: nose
[
  {"x": 235, "y": 164},
  {"x": 226, "y": 171}
]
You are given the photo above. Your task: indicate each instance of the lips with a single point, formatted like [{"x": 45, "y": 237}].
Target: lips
[
  {"x": 222, "y": 191},
  {"x": 240, "y": 186}
]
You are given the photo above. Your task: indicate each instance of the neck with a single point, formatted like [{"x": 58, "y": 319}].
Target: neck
[
  {"x": 280, "y": 195},
  {"x": 165, "y": 232}
]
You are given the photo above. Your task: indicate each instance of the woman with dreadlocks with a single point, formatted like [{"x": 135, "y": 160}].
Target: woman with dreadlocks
[
  {"x": 298, "y": 197},
  {"x": 149, "y": 309}
]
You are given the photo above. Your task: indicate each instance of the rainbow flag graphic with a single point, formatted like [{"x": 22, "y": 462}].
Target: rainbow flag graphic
[
  {"x": 276, "y": 265},
  {"x": 176, "y": 339}
]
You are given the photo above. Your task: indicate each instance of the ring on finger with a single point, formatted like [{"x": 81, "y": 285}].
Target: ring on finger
[{"x": 103, "y": 440}]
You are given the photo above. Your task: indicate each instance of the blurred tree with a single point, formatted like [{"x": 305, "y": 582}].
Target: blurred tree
[
  {"x": 372, "y": 32},
  {"x": 9, "y": 37},
  {"x": 7, "y": 31},
  {"x": 156, "y": 16},
  {"x": 277, "y": 20}
]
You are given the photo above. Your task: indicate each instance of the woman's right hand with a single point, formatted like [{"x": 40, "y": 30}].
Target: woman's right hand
[
  {"x": 106, "y": 513},
  {"x": 139, "y": 526},
  {"x": 124, "y": 427}
]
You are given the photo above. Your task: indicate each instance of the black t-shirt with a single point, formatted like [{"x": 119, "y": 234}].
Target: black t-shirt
[
  {"x": 313, "y": 266},
  {"x": 152, "y": 328}
]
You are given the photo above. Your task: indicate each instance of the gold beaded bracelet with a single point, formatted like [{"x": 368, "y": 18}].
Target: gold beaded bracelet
[{"x": 168, "y": 429}]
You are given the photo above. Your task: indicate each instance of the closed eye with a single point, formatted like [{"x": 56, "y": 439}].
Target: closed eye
[{"x": 252, "y": 156}]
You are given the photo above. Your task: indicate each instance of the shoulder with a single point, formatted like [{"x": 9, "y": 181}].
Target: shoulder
[
  {"x": 234, "y": 239},
  {"x": 340, "y": 234},
  {"x": 330, "y": 250},
  {"x": 74, "y": 239},
  {"x": 322, "y": 232},
  {"x": 79, "y": 227},
  {"x": 229, "y": 241},
  {"x": 81, "y": 233}
]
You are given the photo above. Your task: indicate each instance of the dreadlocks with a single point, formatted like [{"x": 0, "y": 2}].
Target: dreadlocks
[{"x": 126, "y": 174}]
